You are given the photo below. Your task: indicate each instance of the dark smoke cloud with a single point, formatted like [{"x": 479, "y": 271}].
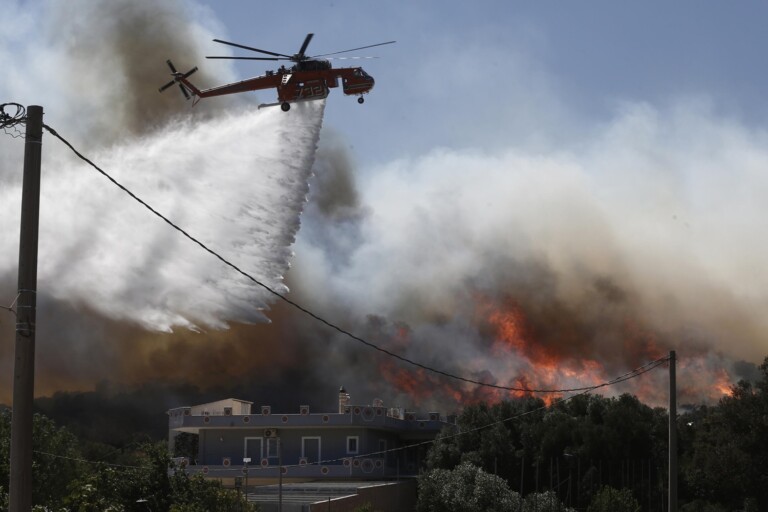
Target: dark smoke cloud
[
  {"x": 587, "y": 249},
  {"x": 335, "y": 192},
  {"x": 115, "y": 55}
]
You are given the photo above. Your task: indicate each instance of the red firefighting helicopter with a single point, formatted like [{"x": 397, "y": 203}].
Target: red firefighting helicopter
[{"x": 310, "y": 77}]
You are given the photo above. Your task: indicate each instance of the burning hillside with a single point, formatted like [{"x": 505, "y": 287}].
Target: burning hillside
[{"x": 522, "y": 268}]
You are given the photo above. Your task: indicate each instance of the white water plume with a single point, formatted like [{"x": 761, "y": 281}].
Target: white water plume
[{"x": 237, "y": 183}]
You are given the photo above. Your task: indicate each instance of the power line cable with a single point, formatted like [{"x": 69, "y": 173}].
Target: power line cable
[
  {"x": 10, "y": 308},
  {"x": 94, "y": 462},
  {"x": 627, "y": 376},
  {"x": 295, "y": 304},
  {"x": 637, "y": 372},
  {"x": 9, "y": 121}
]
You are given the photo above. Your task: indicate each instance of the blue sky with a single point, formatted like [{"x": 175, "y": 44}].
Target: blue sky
[{"x": 464, "y": 73}]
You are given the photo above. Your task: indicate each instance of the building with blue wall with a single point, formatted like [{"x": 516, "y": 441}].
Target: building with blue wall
[{"x": 368, "y": 442}]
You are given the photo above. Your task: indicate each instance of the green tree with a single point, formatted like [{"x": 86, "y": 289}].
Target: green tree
[
  {"x": 97, "y": 491},
  {"x": 142, "y": 480},
  {"x": 192, "y": 492},
  {"x": 609, "y": 499},
  {"x": 730, "y": 439},
  {"x": 151, "y": 483},
  {"x": 466, "y": 488},
  {"x": 5, "y": 449},
  {"x": 544, "y": 502},
  {"x": 367, "y": 507},
  {"x": 55, "y": 459},
  {"x": 490, "y": 439},
  {"x": 186, "y": 445},
  {"x": 585, "y": 441},
  {"x": 703, "y": 506}
]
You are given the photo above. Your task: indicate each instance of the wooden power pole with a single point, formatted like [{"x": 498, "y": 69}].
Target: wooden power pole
[{"x": 26, "y": 304}]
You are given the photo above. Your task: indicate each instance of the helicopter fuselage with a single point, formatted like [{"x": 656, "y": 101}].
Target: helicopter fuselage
[{"x": 306, "y": 80}]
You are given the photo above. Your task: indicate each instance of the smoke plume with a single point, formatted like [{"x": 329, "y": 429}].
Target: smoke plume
[{"x": 554, "y": 270}]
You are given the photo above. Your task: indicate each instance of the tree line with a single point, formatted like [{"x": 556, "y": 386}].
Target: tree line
[
  {"x": 587, "y": 453},
  {"x": 583, "y": 449},
  {"x": 72, "y": 475}
]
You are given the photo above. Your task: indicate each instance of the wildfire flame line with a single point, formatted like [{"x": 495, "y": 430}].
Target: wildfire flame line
[{"x": 627, "y": 376}]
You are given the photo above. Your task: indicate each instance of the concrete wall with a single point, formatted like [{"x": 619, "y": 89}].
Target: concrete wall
[{"x": 215, "y": 444}]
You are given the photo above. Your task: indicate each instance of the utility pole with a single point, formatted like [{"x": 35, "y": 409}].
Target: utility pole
[
  {"x": 279, "y": 476},
  {"x": 672, "y": 432},
  {"x": 246, "y": 461},
  {"x": 26, "y": 305}
]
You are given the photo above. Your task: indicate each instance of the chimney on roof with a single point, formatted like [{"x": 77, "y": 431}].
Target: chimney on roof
[{"x": 343, "y": 400}]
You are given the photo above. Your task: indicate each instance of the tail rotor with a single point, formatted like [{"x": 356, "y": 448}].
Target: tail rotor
[{"x": 177, "y": 77}]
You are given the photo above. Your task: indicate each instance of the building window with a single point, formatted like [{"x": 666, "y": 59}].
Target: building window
[
  {"x": 272, "y": 448},
  {"x": 310, "y": 449},
  {"x": 353, "y": 444}
]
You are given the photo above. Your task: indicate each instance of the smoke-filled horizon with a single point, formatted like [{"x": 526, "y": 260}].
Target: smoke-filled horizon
[
  {"x": 520, "y": 267},
  {"x": 561, "y": 269}
]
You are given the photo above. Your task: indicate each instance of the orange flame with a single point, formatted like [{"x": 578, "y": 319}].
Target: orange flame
[
  {"x": 547, "y": 369},
  {"x": 534, "y": 365}
]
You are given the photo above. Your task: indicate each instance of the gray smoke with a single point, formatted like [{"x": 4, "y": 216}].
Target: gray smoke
[{"x": 596, "y": 260}]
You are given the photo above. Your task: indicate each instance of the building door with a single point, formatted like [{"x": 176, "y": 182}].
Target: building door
[{"x": 310, "y": 449}]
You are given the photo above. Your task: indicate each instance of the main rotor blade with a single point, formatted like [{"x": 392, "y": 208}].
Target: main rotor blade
[
  {"x": 248, "y": 58},
  {"x": 353, "y": 49},
  {"x": 250, "y": 48},
  {"x": 351, "y": 58},
  {"x": 184, "y": 91},
  {"x": 304, "y": 46},
  {"x": 169, "y": 84}
]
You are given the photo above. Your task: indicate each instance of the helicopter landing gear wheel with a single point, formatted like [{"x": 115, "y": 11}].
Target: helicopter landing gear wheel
[
  {"x": 361, "y": 100},
  {"x": 285, "y": 107}
]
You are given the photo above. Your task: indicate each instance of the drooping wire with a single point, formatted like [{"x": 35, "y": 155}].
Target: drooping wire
[
  {"x": 10, "y": 308},
  {"x": 623, "y": 378},
  {"x": 9, "y": 121},
  {"x": 298, "y": 306},
  {"x": 637, "y": 372},
  {"x": 94, "y": 462}
]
